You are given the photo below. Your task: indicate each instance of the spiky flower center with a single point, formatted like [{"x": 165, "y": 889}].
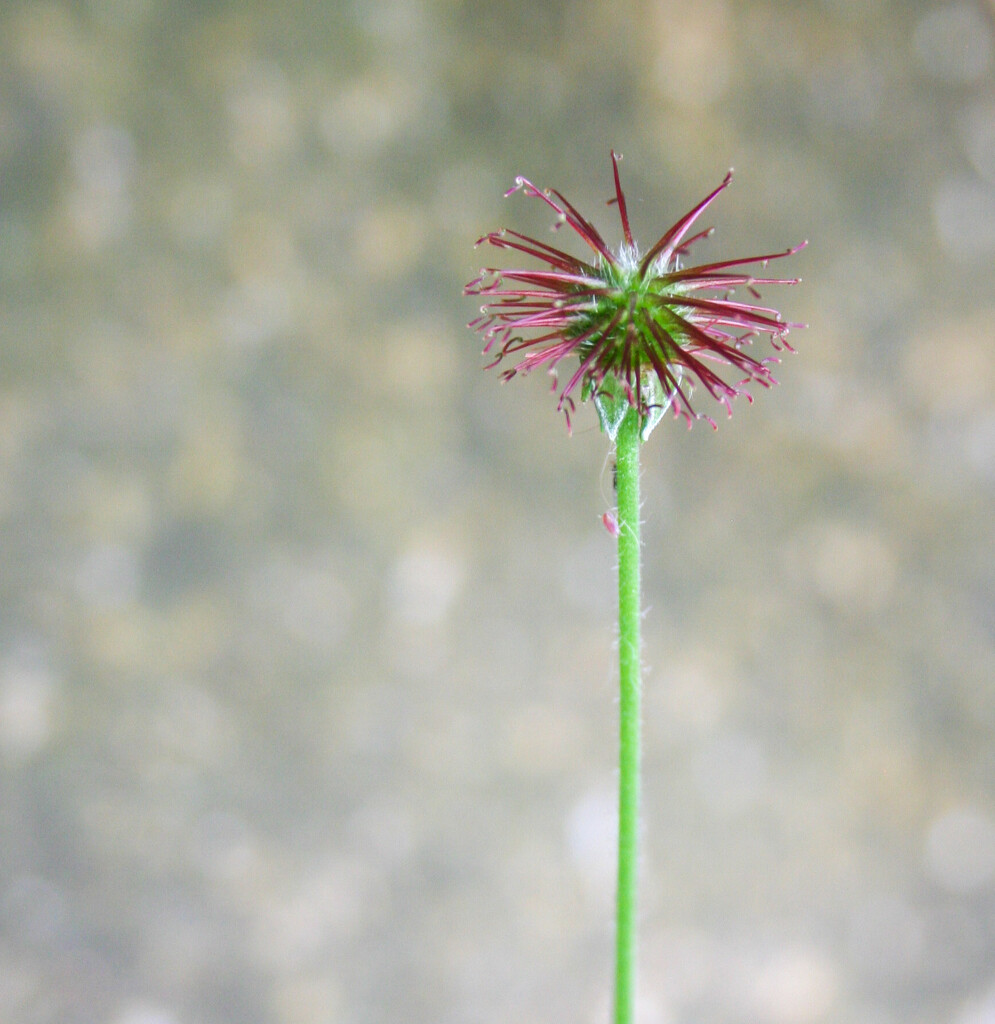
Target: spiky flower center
[{"x": 616, "y": 317}]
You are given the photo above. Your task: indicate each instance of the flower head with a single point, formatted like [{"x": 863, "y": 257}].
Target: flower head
[{"x": 645, "y": 329}]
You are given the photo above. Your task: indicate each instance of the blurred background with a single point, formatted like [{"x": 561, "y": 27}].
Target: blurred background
[{"x": 307, "y": 708}]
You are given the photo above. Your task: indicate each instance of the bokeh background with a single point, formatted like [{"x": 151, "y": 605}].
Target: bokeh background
[{"x": 307, "y": 705}]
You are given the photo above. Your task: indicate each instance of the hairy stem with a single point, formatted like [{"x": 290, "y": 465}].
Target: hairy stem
[{"x": 627, "y": 469}]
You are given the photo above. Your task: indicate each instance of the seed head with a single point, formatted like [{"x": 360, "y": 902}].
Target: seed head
[{"x": 645, "y": 329}]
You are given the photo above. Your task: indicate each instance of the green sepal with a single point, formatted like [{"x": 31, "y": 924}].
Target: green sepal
[
  {"x": 657, "y": 403},
  {"x": 612, "y": 403}
]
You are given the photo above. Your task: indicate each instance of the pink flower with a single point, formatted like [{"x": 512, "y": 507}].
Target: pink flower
[{"x": 645, "y": 329}]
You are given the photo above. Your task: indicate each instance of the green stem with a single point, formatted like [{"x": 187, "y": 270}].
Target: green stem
[{"x": 627, "y": 477}]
